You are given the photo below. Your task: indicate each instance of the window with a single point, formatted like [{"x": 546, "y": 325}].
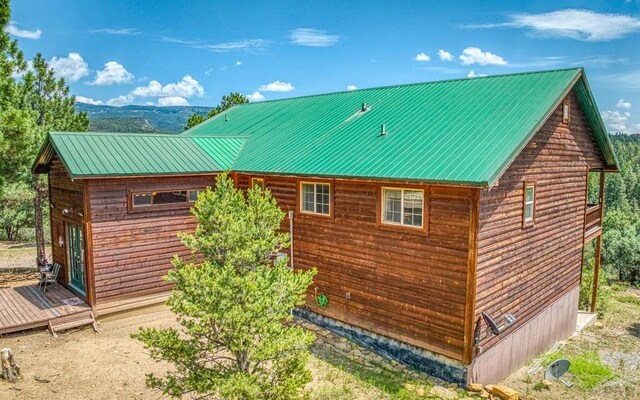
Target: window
[
  {"x": 402, "y": 206},
  {"x": 315, "y": 198},
  {"x": 148, "y": 199},
  {"x": 257, "y": 181},
  {"x": 193, "y": 195},
  {"x": 529, "y": 203},
  {"x": 566, "y": 111},
  {"x": 142, "y": 199}
]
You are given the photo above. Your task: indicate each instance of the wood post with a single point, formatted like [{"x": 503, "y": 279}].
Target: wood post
[
  {"x": 598, "y": 255},
  {"x": 596, "y": 273}
]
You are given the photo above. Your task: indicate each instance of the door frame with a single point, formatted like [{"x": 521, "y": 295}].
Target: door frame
[{"x": 80, "y": 229}]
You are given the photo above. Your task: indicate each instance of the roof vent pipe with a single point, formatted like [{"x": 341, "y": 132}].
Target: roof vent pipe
[
  {"x": 383, "y": 130},
  {"x": 364, "y": 107},
  {"x": 225, "y": 118}
]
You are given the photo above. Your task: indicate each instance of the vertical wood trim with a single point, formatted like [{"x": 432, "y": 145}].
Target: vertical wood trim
[
  {"x": 584, "y": 224},
  {"x": 88, "y": 243},
  {"x": 596, "y": 273},
  {"x": 601, "y": 195},
  {"x": 472, "y": 266}
]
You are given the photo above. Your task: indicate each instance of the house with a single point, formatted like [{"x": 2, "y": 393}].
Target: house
[{"x": 447, "y": 220}]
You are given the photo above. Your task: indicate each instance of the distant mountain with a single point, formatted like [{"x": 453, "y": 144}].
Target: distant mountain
[{"x": 145, "y": 119}]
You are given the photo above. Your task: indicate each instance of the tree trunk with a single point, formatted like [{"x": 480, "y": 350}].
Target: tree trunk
[
  {"x": 10, "y": 369},
  {"x": 39, "y": 219}
]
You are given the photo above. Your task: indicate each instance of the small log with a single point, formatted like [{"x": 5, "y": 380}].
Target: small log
[{"x": 10, "y": 369}]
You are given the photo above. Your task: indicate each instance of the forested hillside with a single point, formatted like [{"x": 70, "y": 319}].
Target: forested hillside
[
  {"x": 621, "y": 252},
  {"x": 147, "y": 119}
]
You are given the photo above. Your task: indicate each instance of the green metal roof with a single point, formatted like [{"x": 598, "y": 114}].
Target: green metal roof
[
  {"x": 126, "y": 154},
  {"x": 464, "y": 131}
]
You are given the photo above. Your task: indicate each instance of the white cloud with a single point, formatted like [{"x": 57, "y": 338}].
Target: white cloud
[
  {"x": 71, "y": 68},
  {"x": 623, "y": 104},
  {"x": 238, "y": 63},
  {"x": 120, "y": 100},
  {"x": 239, "y": 45},
  {"x": 617, "y": 121},
  {"x": 474, "y": 55},
  {"x": 187, "y": 87},
  {"x": 113, "y": 73},
  {"x": 172, "y": 101},
  {"x": 277, "y": 86},
  {"x": 473, "y": 74},
  {"x": 584, "y": 25},
  {"x": 445, "y": 55},
  {"x": 12, "y": 29},
  {"x": 255, "y": 96},
  {"x": 312, "y": 37},
  {"x": 422, "y": 57},
  {"x": 351, "y": 87},
  {"x": 87, "y": 100},
  {"x": 118, "y": 31}
]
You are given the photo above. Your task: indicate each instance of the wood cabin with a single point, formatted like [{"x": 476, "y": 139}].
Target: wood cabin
[{"x": 422, "y": 206}]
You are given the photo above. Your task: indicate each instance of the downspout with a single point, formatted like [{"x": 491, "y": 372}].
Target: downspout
[{"x": 291, "y": 235}]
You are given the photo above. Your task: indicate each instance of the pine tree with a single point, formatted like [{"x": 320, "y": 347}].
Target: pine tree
[
  {"x": 238, "y": 340},
  {"x": 54, "y": 110},
  {"x": 228, "y": 101}
]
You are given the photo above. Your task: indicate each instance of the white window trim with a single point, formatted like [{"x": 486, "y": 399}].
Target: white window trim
[
  {"x": 302, "y": 210},
  {"x": 532, "y": 203},
  {"x": 401, "y": 223}
]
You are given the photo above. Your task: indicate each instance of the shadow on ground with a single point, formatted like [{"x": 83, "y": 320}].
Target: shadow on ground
[{"x": 634, "y": 329}]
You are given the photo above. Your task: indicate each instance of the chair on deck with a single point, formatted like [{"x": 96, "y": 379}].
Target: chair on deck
[{"x": 49, "y": 277}]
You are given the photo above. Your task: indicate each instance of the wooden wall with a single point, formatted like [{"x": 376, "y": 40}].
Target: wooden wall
[
  {"x": 132, "y": 250},
  {"x": 522, "y": 270},
  {"x": 65, "y": 194},
  {"x": 404, "y": 283}
]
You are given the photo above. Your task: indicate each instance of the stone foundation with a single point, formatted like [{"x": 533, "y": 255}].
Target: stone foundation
[{"x": 414, "y": 357}]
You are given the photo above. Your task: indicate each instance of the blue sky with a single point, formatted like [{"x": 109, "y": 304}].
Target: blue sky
[{"x": 178, "y": 52}]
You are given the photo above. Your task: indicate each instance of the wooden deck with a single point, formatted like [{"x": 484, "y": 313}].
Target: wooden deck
[{"x": 24, "y": 307}]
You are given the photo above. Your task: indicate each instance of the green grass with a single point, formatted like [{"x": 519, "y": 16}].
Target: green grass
[
  {"x": 332, "y": 392},
  {"x": 628, "y": 299},
  {"x": 342, "y": 379},
  {"x": 587, "y": 371}
]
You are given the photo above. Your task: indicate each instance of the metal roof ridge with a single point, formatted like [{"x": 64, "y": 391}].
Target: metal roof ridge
[{"x": 399, "y": 85}]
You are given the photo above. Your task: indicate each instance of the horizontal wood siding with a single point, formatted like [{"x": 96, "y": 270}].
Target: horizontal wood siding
[
  {"x": 65, "y": 194},
  {"x": 522, "y": 270},
  {"x": 404, "y": 283},
  {"x": 132, "y": 250}
]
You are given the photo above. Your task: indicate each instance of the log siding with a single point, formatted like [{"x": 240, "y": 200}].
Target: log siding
[
  {"x": 401, "y": 282},
  {"x": 524, "y": 268},
  {"x": 133, "y": 248},
  {"x": 64, "y": 194}
]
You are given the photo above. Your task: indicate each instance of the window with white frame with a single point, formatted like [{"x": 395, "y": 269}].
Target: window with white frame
[
  {"x": 316, "y": 198},
  {"x": 402, "y": 206},
  {"x": 529, "y": 202}
]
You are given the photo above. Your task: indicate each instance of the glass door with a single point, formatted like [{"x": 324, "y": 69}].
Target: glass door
[{"x": 75, "y": 244}]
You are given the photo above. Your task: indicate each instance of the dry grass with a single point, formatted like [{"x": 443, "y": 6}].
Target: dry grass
[{"x": 605, "y": 357}]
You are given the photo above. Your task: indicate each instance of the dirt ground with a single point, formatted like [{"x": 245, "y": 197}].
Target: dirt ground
[
  {"x": 81, "y": 364},
  {"x": 16, "y": 255}
]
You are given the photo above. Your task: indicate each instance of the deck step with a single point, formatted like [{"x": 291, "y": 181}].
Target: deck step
[{"x": 72, "y": 321}]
